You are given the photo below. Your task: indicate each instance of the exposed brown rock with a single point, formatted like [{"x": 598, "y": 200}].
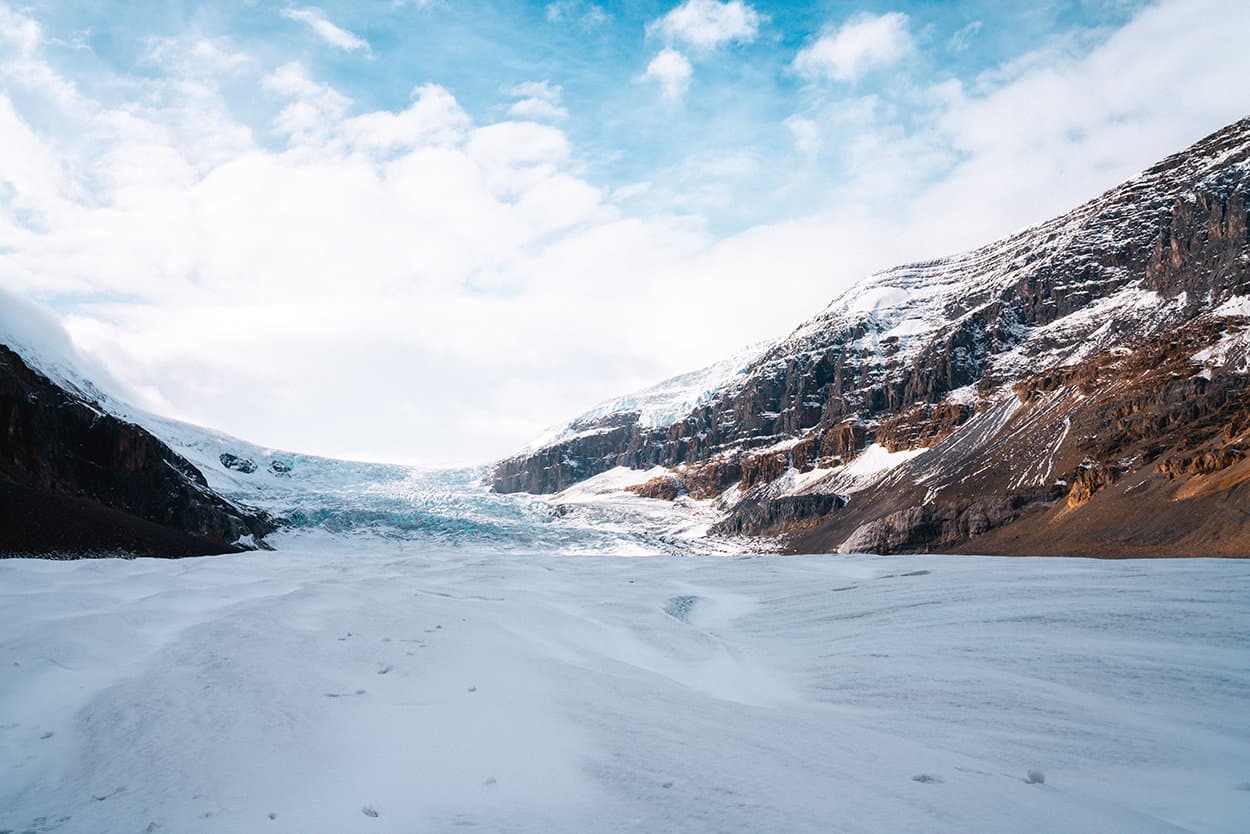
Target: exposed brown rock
[
  {"x": 1149, "y": 437},
  {"x": 710, "y": 478},
  {"x": 1200, "y": 463},
  {"x": 843, "y": 441},
  {"x": 764, "y": 467},
  {"x": 664, "y": 488},
  {"x": 921, "y": 426},
  {"x": 1091, "y": 478}
]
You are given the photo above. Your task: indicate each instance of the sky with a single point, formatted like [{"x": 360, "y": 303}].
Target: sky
[{"x": 423, "y": 232}]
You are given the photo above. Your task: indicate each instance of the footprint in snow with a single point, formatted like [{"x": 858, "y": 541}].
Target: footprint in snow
[
  {"x": 40, "y": 825},
  {"x": 386, "y": 667}
]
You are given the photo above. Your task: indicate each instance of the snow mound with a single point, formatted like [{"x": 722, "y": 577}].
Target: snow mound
[{"x": 663, "y": 403}]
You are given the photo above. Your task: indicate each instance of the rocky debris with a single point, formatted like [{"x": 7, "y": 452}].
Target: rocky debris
[
  {"x": 279, "y": 467},
  {"x": 77, "y": 479},
  {"x": 238, "y": 464}
]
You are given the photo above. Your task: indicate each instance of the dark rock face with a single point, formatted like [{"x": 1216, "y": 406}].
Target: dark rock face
[
  {"x": 68, "y": 465},
  {"x": 1057, "y": 363},
  {"x": 921, "y": 425},
  {"x": 936, "y": 527},
  {"x": 773, "y": 516},
  {"x": 238, "y": 464}
]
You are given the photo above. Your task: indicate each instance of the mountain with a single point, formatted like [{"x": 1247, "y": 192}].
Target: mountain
[
  {"x": 77, "y": 478},
  {"x": 1077, "y": 388}
]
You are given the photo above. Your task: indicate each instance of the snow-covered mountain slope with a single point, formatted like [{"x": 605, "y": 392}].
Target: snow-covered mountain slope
[
  {"x": 1071, "y": 320},
  {"x": 660, "y": 405},
  {"x": 76, "y": 475},
  {"x": 380, "y": 689}
]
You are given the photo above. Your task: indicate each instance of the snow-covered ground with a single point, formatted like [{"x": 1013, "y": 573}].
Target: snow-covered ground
[{"x": 353, "y": 688}]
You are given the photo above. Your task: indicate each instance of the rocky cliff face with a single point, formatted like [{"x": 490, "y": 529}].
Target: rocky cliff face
[
  {"x": 74, "y": 478},
  {"x": 1042, "y": 376}
]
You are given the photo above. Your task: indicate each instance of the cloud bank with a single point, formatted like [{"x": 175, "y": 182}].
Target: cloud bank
[{"x": 425, "y": 283}]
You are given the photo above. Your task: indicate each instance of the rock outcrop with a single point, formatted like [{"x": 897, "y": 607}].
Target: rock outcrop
[
  {"x": 75, "y": 479},
  {"x": 1072, "y": 379}
]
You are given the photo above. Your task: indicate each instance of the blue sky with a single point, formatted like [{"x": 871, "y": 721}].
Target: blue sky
[
  {"x": 467, "y": 221},
  {"x": 741, "y": 91}
]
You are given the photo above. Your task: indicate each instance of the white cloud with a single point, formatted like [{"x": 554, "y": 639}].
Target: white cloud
[
  {"x": 417, "y": 283},
  {"x": 433, "y": 119},
  {"x": 672, "y": 71},
  {"x": 585, "y": 14},
  {"x": 862, "y": 44},
  {"x": 538, "y": 101},
  {"x": 313, "y": 107},
  {"x": 196, "y": 56},
  {"x": 805, "y": 133},
  {"x": 962, "y": 39},
  {"x": 334, "y": 35},
  {"x": 21, "y": 40},
  {"x": 707, "y": 24}
]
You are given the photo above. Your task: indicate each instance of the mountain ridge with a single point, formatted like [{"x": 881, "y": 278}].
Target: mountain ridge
[
  {"x": 920, "y": 353},
  {"x": 75, "y": 478}
]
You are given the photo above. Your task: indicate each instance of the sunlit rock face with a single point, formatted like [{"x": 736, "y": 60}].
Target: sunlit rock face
[{"x": 1079, "y": 387}]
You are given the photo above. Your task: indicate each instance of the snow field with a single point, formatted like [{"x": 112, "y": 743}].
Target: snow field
[{"x": 352, "y": 688}]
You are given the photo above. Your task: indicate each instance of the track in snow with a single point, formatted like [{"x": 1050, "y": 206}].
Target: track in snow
[{"x": 373, "y": 690}]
